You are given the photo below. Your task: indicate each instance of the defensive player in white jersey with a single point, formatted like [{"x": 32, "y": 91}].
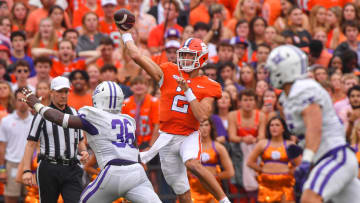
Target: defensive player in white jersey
[
  {"x": 329, "y": 168},
  {"x": 111, "y": 135}
]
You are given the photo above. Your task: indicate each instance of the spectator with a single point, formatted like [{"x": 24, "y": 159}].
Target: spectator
[
  {"x": 261, "y": 87},
  {"x": 233, "y": 93},
  {"x": 341, "y": 107},
  {"x": 257, "y": 32},
  {"x": 262, "y": 53},
  {"x": 275, "y": 178},
  {"x": 72, "y": 35},
  {"x": 43, "y": 66},
  {"x": 188, "y": 33},
  {"x": 242, "y": 29},
  {"x": 353, "y": 113},
  {"x": 218, "y": 19},
  {"x": 107, "y": 24},
  {"x": 281, "y": 21},
  {"x": 299, "y": 35},
  {"x": 225, "y": 52},
  {"x": 246, "y": 9},
  {"x": 79, "y": 97},
  {"x": 43, "y": 92},
  {"x": 333, "y": 18},
  {"x": 36, "y": 16},
  {"x": 57, "y": 15},
  {"x": 109, "y": 73},
  {"x": 94, "y": 77},
  {"x": 106, "y": 47},
  {"x": 246, "y": 126},
  {"x": 355, "y": 142},
  {"x": 144, "y": 108},
  {"x": 240, "y": 51},
  {"x": 156, "y": 35},
  {"x": 82, "y": 9},
  {"x": 351, "y": 31},
  {"x": 91, "y": 37},
  {"x": 169, "y": 53},
  {"x": 262, "y": 72},
  {"x": 226, "y": 73},
  {"x": 318, "y": 54},
  {"x": 210, "y": 70},
  {"x": 350, "y": 13},
  {"x": 317, "y": 18},
  {"x": 6, "y": 99},
  {"x": 338, "y": 92},
  {"x": 247, "y": 77},
  {"x": 321, "y": 74},
  {"x": 222, "y": 107},
  {"x": 201, "y": 31},
  {"x": 269, "y": 36},
  {"x": 350, "y": 62},
  {"x": 13, "y": 132},
  {"x": 336, "y": 63},
  {"x": 268, "y": 104},
  {"x": 213, "y": 156},
  {"x": 157, "y": 12},
  {"x": 19, "y": 14},
  {"x": 144, "y": 22},
  {"x": 5, "y": 53},
  {"x": 18, "y": 43},
  {"x": 22, "y": 72},
  {"x": 5, "y": 29},
  {"x": 4, "y": 9},
  {"x": 45, "y": 40}
]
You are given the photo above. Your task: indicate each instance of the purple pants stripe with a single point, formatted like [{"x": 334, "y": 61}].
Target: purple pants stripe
[
  {"x": 97, "y": 186},
  {"x": 312, "y": 186},
  {"x": 332, "y": 171},
  {"x": 91, "y": 184}
]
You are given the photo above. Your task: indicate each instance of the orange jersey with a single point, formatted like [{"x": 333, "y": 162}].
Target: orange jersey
[
  {"x": 176, "y": 116},
  {"x": 111, "y": 30},
  {"x": 59, "y": 68},
  {"x": 148, "y": 115}
]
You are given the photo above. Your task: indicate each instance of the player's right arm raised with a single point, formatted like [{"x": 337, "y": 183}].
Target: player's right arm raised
[{"x": 144, "y": 62}]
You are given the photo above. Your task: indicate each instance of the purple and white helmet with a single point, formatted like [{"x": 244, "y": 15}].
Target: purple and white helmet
[
  {"x": 286, "y": 64},
  {"x": 108, "y": 96}
]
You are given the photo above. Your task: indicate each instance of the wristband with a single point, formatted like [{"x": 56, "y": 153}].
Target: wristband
[
  {"x": 189, "y": 95},
  {"x": 38, "y": 107},
  {"x": 27, "y": 171},
  {"x": 65, "y": 120},
  {"x": 308, "y": 155},
  {"x": 127, "y": 37}
]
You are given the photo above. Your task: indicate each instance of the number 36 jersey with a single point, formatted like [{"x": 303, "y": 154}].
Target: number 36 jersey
[
  {"x": 110, "y": 136},
  {"x": 176, "y": 116}
]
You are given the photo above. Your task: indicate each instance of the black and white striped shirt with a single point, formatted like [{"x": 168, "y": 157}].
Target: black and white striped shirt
[{"x": 55, "y": 141}]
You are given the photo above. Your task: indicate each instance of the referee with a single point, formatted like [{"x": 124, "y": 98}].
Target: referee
[{"x": 58, "y": 171}]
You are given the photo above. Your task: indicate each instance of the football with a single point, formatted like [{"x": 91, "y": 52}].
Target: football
[{"x": 124, "y": 19}]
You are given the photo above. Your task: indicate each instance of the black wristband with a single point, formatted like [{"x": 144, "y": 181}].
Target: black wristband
[{"x": 27, "y": 171}]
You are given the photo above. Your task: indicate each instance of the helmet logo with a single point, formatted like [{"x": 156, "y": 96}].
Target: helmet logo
[{"x": 277, "y": 58}]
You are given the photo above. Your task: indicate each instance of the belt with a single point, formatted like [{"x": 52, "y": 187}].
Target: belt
[
  {"x": 120, "y": 162},
  {"x": 58, "y": 161}
]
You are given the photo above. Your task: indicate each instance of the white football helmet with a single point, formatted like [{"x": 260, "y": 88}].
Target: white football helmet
[
  {"x": 108, "y": 96},
  {"x": 286, "y": 64}
]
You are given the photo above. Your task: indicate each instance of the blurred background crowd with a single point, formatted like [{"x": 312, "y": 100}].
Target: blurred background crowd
[{"x": 244, "y": 141}]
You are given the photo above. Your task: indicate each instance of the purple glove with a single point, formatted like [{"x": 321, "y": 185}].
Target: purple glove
[{"x": 301, "y": 174}]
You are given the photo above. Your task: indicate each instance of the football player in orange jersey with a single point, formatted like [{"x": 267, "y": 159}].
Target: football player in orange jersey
[{"x": 185, "y": 101}]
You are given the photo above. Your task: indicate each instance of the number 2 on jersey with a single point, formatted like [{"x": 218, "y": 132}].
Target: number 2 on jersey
[
  {"x": 124, "y": 137},
  {"x": 175, "y": 106}
]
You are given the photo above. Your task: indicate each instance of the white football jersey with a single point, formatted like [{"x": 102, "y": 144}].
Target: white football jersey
[
  {"x": 110, "y": 136},
  {"x": 303, "y": 93}
]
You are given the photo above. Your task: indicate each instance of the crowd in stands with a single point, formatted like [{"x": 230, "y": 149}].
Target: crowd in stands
[{"x": 244, "y": 140}]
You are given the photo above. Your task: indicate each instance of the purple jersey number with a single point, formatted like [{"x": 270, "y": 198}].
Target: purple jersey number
[{"x": 124, "y": 137}]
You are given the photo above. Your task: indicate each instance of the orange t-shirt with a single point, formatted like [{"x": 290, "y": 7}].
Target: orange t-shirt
[
  {"x": 324, "y": 58},
  {"x": 271, "y": 9},
  {"x": 81, "y": 10},
  {"x": 308, "y": 4},
  {"x": 176, "y": 116},
  {"x": 111, "y": 30},
  {"x": 160, "y": 58},
  {"x": 229, "y": 4},
  {"x": 100, "y": 63},
  {"x": 34, "y": 18},
  {"x": 201, "y": 14},
  {"x": 78, "y": 101},
  {"x": 156, "y": 35},
  {"x": 59, "y": 68},
  {"x": 149, "y": 116}
]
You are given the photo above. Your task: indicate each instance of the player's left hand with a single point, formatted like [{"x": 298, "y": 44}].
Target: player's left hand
[
  {"x": 182, "y": 83},
  {"x": 301, "y": 174},
  {"x": 84, "y": 156},
  {"x": 31, "y": 99}
]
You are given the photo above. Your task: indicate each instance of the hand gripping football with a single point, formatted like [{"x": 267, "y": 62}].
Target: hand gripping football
[{"x": 124, "y": 19}]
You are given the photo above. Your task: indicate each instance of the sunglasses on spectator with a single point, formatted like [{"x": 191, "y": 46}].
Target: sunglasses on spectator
[{"x": 24, "y": 70}]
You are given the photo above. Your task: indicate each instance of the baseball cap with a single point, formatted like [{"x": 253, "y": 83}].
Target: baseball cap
[
  {"x": 106, "y": 2},
  {"x": 59, "y": 83},
  {"x": 4, "y": 46},
  {"x": 172, "y": 32},
  {"x": 239, "y": 40},
  {"x": 172, "y": 44}
]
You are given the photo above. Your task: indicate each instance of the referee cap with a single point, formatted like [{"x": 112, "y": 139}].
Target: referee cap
[{"x": 59, "y": 83}]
